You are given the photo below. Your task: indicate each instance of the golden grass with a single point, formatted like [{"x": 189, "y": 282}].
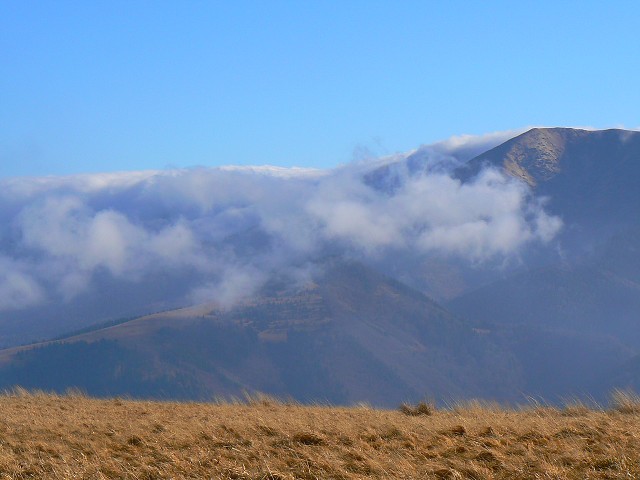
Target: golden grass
[{"x": 49, "y": 436}]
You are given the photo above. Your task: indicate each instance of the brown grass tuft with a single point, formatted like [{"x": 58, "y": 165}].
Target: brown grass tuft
[
  {"x": 625, "y": 401},
  {"x": 307, "y": 438},
  {"x": 422, "y": 408}
]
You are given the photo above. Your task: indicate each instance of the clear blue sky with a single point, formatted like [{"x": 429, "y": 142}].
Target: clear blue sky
[{"x": 91, "y": 86}]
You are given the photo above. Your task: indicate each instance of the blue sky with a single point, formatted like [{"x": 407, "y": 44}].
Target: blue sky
[{"x": 121, "y": 85}]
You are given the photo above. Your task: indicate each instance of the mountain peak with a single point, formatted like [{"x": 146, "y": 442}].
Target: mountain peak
[
  {"x": 540, "y": 154},
  {"x": 589, "y": 176},
  {"x": 547, "y": 146}
]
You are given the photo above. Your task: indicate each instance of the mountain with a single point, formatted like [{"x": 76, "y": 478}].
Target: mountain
[
  {"x": 589, "y": 176},
  {"x": 355, "y": 335},
  {"x": 590, "y": 179},
  {"x": 580, "y": 298},
  {"x": 598, "y": 295},
  {"x": 552, "y": 321},
  {"x": 592, "y": 288}
]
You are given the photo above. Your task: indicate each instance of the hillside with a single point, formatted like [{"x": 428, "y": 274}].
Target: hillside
[
  {"x": 587, "y": 286},
  {"x": 46, "y": 436},
  {"x": 598, "y": 295},
  {"x": 354, "y": 335},
  {"x": 554, "y": 318},
  {"x": 589, "y": 176},
  {"x": 579, "y": 298}
]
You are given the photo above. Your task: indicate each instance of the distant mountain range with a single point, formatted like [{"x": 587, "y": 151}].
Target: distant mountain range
[{"x": 562, "y": 321}]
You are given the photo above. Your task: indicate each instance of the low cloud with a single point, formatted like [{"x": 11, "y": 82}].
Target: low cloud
[
  {"x": 234, "y": 284},
  {"x": 65, "y": 230},
  {"x": 18, "y": 289},
  {"x": 492, "y": 215},
  {"x": 233, "y": 228}
]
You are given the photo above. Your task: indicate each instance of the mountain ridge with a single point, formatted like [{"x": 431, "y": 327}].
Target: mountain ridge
[
  {"x": 589, "y": 176},
  {"x": 552, "y": 325},
  {"x": 356, "y": 335}
]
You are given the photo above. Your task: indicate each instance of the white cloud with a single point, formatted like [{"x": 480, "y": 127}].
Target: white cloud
[
  {"x": 234, "y": 284},
  {"x": 465, "y": 147},
  {"x": 72, "y": 241},
  {"x": 436, "y": 213},
  {"x": 227, "y": 230},
  {"x": 17, "y": 288}
]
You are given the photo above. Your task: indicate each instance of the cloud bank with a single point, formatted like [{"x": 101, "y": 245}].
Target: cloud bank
[{"x": 232, "y": 228}]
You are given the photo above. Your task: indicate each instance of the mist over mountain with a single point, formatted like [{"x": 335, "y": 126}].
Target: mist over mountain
[
  {"x": 589, "y": 177},
  {"x": 157, "y": 240},
  {"x": 354, "y": 336},
  {"x": 496, "y": 267}
]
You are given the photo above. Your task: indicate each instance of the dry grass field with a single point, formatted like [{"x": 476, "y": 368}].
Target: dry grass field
[{"x": 49, "y": 436}]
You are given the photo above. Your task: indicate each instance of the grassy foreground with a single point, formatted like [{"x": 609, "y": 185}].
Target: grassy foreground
[{"x": 49, "y": 436}]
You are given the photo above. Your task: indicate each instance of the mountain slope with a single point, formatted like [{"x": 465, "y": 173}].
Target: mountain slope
[
  {"x": 354, "y": 335},
  {"x": 597, "y": 294},
  {"x": 591, "y": 177},
  {"x": 580, "y": 298},
  {"x": 592, "y": 288}
]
